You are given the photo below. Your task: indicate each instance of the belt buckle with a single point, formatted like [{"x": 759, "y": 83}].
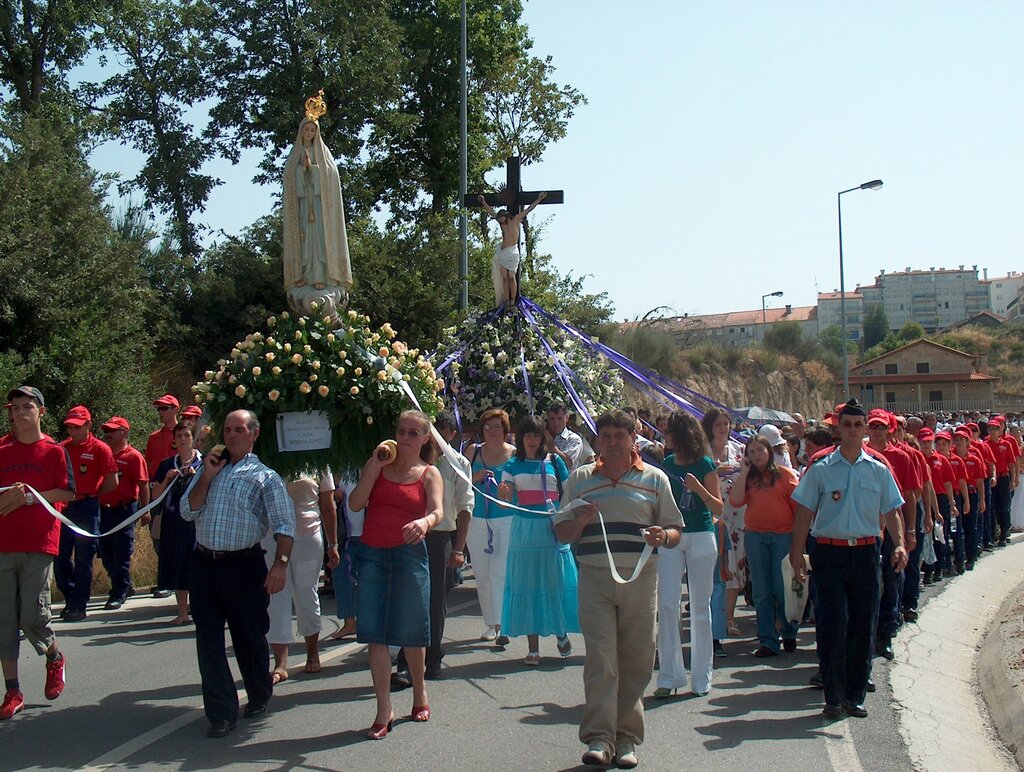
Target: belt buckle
[{"x": 852, "y": 542}]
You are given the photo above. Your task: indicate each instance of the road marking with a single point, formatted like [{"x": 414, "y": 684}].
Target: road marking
[
  {"x": 195, "y": 712},
  {"x": 842, "y": 753}
]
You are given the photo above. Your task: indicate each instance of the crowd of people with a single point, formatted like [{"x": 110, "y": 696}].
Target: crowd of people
[{"x": 869, "y": 505}]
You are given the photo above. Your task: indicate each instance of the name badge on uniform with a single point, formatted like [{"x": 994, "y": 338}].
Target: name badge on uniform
[{"x": 836, "y": 495}]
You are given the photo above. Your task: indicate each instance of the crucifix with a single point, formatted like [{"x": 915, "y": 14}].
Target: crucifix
[{"x": 506, "y": 268}]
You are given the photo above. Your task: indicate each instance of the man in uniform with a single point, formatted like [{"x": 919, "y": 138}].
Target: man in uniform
[
  {"x": 132, "y": 491},
  {"x": 28, "y": 541},
  {"x": 160, "y": 445},
  {"x": 95, "y": 472},
  {"x": 845, "y": 493},
  {"x": 233, "y": 502}
]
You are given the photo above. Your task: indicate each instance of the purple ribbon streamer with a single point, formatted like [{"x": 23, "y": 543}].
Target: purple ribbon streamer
[{"x": 526, "y": 378}]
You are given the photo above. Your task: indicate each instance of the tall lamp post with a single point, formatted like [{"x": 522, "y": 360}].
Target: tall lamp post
[
  {"x": 764, "y": 313},
  {"x": 872, "y": 185}
]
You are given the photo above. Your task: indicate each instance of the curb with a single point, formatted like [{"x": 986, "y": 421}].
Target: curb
[
  {"x": 1005, "y": 704},
  {"x": 935, "y": 675}
]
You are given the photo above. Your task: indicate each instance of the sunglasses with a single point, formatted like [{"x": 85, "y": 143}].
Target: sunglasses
[{"x": 161, "y": 408}]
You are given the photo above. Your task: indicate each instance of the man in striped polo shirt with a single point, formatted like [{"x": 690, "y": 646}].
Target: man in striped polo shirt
[{"x": 617, "y": 619}]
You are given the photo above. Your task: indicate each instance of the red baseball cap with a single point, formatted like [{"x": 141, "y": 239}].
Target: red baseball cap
[
  {"x": 79, "y": 415},
  {"x": 944, "y": 436},
  {"x": 926, "y": 434},
  {"x": 879, "y": 416},
  {"x": 901, "y": 419},
  {"x": 963, "y": 431},
  {"x": 998, "y": 420},
  {"x": 973, "y": 426},
  {"x": 115, "y": 423},
  {"x": 192, "y": 411},
  {"x": 167, "y": 399}
]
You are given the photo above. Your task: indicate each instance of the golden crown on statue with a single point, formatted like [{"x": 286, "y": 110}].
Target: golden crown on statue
[{"x": 316, "y": 106}]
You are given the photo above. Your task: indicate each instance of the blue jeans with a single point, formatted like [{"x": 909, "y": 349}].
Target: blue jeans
[
  {"x": 74, "y": 579},
  {"x": 765, "y": 552}
]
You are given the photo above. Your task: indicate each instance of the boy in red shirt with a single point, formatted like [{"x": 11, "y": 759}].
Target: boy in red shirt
[
  {"x": 1006, "y": 475},
  {"x": 28, "y": 542},
  {"x": 95, "y": 472}
]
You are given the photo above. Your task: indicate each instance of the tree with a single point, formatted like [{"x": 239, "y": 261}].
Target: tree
[
  {"x": 876, "y": 325},
  {"x": 910, "y": 331},
  {"x": 72, "y": 308},
  {"x": 788, "y": 338}
]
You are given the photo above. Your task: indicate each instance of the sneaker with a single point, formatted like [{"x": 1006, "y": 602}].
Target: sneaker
[
  {"x": 55, "y": 678},
  {"x": 13, "y": 703},
  {"x": 532, "y": 659},
  {"x": 489, "y": 634},
  {"x": 625, "y": 755},
  {"x": 564, "y": 646},
  {"x": 597, "y": 756},
  {"x": 502, "y": 640}
]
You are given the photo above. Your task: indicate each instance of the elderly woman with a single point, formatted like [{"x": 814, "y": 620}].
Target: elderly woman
[
  {"x": 766, "y": 490},
  {"x": 177, "y": 537},
  {"x": 695, "y": 487},
  {"x": 313, "y": 498},
  {"x": 401, "y": 491},
  {"x": 491, "y": 526},
  {"x": 728, "y": 456}
]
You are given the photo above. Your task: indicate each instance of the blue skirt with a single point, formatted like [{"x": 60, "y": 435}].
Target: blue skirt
[
  {"x": 393, "y": 602},
  {"x": 343, "y": 579},
  {"x": 540, "y": 581}
]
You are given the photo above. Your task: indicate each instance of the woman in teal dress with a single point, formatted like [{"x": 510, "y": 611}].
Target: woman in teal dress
[{"x": 540, "y": 587}]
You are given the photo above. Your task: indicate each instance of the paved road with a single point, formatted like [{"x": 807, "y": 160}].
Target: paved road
[{"x": 133, "y": 701}]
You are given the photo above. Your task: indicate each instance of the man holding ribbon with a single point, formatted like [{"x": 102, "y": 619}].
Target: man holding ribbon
[
  {"x": 29, "y": 537},
  {"x": 619, "y": 509}
]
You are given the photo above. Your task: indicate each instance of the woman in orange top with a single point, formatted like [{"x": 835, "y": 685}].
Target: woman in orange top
[{"x": 765, "y": 489}]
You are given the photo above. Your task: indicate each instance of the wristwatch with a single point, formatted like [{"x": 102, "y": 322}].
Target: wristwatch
[
  {"x": 30, "y": 499},
  {"x": 332, "y": 546},
  {"x": 283, "y": 559}
]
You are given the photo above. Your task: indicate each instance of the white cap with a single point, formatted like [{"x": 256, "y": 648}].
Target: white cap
[{"x": 772, "y": 434}]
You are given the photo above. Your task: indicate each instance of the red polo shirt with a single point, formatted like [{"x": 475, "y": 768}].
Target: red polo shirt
[
  {"x": 159, "y": 446},
  {"x": 131, "y": 475},
  {"x": 908, "y": 478},
  {"x": 91, "y": 462},
  {"x": 44, "y": 465},
  {"x": 942, "y": 472},
  {"x": 1003, "y": 452},
  {"x": 985, "y": 451}
]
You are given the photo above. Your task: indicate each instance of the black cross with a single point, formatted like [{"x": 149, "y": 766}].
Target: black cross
[{"x": 513, "y": 198}]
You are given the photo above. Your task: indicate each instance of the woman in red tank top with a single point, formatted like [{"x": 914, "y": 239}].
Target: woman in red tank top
[{"x": 402, "y": 498}]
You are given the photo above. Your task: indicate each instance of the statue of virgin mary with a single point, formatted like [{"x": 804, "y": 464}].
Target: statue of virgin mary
[{"x": 315, "y": 246}]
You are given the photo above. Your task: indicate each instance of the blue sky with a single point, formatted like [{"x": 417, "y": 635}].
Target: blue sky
[{"x": 703, "y": 172}]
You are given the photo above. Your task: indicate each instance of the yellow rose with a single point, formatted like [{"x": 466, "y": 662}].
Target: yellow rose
[
  {"x": 313, "y": 377},
  {"x": 240, "y": 390},
  {"x": 383, "y": 351},
  {"x": 330, "y": 337},
  {"x": 302, "y": 322},
  {"x": 232, "y": 379},
  {"x": 269, "y": 356},
  {"x": 305, "y": 388},
  {"x": 340, "y": 371},
  {"x": 358, "y": 371},
  {"x": 275, "y": 370},
  {"x": 208, "y": 375},
  {"x": 382, "y": 376},
  {"x": 369, "y": 419},
  {"x": 297, "y": 359},
  {"x": 327, "y": 320},
  {"x": 273, "y": 395},
  {"x": 342, "y": 354},
  {"x": 284, "y": 315},
  {"x": 256, "y": 371},
  {"x": 271, "y": 342},
  {"x": 323, "y": 391},
  {"x": 351, "y": 314},
  {"x": 271, "y": 321},
  {"x": 308, "y": 349},
  {"x": 354, "y": 390},
  {"x": 298, "y": 335},
  {"x": 287, "y": 347}
]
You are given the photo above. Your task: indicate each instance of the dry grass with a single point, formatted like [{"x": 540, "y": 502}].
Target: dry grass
[{"x": 143, "y": 568}]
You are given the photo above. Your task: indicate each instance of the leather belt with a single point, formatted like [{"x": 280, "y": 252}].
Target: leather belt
[
  {"x": 255, "y": 549},
  {"x": 122, "y": 505},
  {"x": 863, "y": 541}
]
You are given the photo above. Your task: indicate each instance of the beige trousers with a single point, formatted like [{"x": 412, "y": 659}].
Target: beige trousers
[{"x": 618, "y": 625}]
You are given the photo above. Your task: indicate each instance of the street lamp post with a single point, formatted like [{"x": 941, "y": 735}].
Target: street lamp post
[
  {"x": 872, "y": 185},
  {"x": 764, "y": 320}
]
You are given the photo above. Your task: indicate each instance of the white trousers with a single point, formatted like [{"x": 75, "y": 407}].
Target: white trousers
[
  {"x": 695, "y": 556},
  {"x": 303, "y": 575},
  {"x": 489, "y": 553}
]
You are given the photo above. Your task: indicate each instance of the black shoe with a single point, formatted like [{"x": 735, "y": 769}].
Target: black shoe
[
  {"x": 833, "y": 712},
  {"x": 130, "y": 593},
  {"x": 871, "y": 686},
  {"x": 113, "y": 604},
  {"x": 1001, "y": 543},
  {"x": 432, "y": 673},
  {"x": 927, "y": 580},
  {"x": 959, "y": 567},
  {"x": 502, "y": 640},
  {"x": 855, "y": 710},
  {"x": 255, "y": 711},
  {"x": 64, "y": 613},
  {"x": 764, "y": 651},
  {"x": 883, "y": 647},
  {"x": 816, "y": 681},
  {"x": 163, "y": 594},
  {"x": 220, "y": 729},
  {"x": 718, "y": 649},
  {"x": 400, "y": 680},
  {"x": 910, "y": 614},
  {"x": 789, "y": 644},
  {"x": 988, "y": 547},
  {"x": 969, "y": 565},
  {"x": 74, "y": 616}
]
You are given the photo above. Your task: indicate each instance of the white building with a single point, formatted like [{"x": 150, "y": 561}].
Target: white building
[
  {"x": 934, "y": 298},
  {"x": 1003, "y": 291}
]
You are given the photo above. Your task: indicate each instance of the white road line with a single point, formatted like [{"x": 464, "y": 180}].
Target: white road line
[
  {"x": 842, "y": 753},
  {"x": 195, "y": 712}
]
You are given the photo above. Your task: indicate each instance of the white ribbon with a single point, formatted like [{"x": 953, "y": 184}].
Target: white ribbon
[
  {"x": 453, "y": 456},
  {"x": 81, "y": 531}
]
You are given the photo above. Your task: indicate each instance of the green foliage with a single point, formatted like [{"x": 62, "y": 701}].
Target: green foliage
[
  {"x": 788, "y": 338},
  {"x": 831, "y": 341},
  {"x": 876, "y": 325},
  {"x": 648, "y": 346},
  {"x": 73, "y": 305},
  {"x": 910, "y": 331}
]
